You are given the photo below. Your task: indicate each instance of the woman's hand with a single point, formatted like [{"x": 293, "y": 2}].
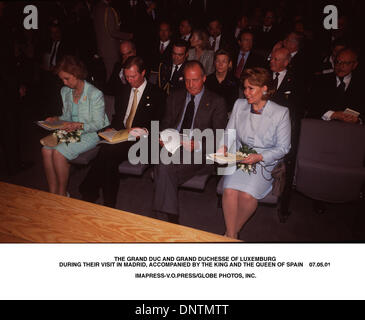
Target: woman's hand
[
  {"x": 72, "y": 126},
  {"x": 252, "y": 158},
  {"x": 51, "y": 119},
  {"x": 223, "y": 150}
]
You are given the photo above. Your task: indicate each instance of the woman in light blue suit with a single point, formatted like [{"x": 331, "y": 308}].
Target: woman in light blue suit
[
  {"x": 83, "y": 109},
  {"x": 264, "y": 126}
]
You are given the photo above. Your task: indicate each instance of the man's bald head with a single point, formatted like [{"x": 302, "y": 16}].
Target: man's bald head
[
  {"x": 346, "y": 62},
  {"x": 280, "y": 59}
]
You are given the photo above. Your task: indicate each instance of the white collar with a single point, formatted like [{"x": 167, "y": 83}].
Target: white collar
[
  {"x": 141, "y": 87},
  {"x": 346, "y": 80},
  {"x": 166, "y": 43},
  {"x": 211, "y": 38}
]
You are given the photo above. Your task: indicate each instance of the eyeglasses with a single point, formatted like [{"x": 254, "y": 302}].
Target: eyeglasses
[{"x": 343, "y": 63}]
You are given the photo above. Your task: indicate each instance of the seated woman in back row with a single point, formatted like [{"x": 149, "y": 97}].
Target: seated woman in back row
[
  {"x": 83, "y": 109},
  {"x": 223, "y": 82},
  {"x": 264, "y": 126}
]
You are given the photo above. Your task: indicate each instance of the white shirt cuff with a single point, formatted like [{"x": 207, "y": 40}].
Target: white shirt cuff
[{"x": 327, "y": 116}]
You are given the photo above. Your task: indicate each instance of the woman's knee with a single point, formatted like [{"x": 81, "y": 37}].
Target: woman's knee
[{"x": 244, "y": 196}]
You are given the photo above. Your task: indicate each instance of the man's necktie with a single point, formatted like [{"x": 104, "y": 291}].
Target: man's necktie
[
  {"x": 174, "y": 73},
  {"x": 189, "y": 115},
  {"x": 240, "y": 67},
  {"x": 342, "y": 86},
  {"x": 276, "y": 80},
  {"x": 132, "y": 113},
  {"x": 161, "y": 48}
]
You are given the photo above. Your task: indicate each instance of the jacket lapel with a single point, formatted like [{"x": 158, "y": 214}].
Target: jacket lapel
[
  {"x": 202, "y": 109},
  {"x": 180, "y": 105}
]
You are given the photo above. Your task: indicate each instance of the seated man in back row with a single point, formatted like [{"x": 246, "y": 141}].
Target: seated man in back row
[
  {"x": 171, "y": 73},
  {"x": 335, "y": 92},
  {"x": 192, "y": 107}
]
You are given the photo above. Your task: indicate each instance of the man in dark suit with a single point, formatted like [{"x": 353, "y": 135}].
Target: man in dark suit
[
  {"x": 299, "y": 66},
  {"x": 333, "y": 93},
  {"x": 288, "y": 93},
  {"x": 161, "y": 51},
  {"x": 246, "y": 57},
  {"x": 268, "y": 33},
  {"x": 193, "y": 107},
  {"x": 217, "y": 39},
  {"x": 171, "y": 74},
  {"x": 140, "y": 103},
  {"x": 185, "y": 29},
  {"x": 117, "y": 79}
]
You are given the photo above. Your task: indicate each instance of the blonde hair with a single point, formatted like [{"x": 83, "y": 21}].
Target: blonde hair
[{"x": 260, "y": 77}]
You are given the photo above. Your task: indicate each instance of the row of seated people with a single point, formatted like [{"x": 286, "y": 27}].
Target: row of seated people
[
  {"x": 259, "y": 122},
  {"x": 304, "y": 92}
]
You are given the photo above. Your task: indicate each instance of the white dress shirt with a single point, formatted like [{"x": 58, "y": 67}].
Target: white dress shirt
[
  {"x": 131, "y": 96},
  {"x": 280, "y": 78},
  {"x": 217, "y": 42},
  {"x": 173, "y": 68},
  {"x": 187, "y": 37},
  {"x": 165, "y": 44}
]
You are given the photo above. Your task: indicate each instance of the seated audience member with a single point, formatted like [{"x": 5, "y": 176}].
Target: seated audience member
[
  {"x": 287, "y": 91},
  {"x": 264, "y": 126},
  {"x": 200, "y": 50},
  {"x": 334, "y": 92},
  {"x": 185, "y": 29},
  {"x": 268, "y": 33},
  {"x": 117, "y": 79},
  {"x": 193, "y": 107},
  {"x": 242, "y": 24},
  {"x": 299, "y": 65},
  {"x": 171, "y": 75},
  {"x": 246, "y": 57},
  {"x": 83, "y": 109},
  {"x": 216, "y": 39},
  {"x": 223, "y": 82},
  {"x": 140, "y": 103},
  {"x": 328, "y": 64},
  {"x": 162, "y": 51}
]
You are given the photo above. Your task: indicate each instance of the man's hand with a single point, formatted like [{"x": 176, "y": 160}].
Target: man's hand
[
  {"x": 189, "y": 145},
  {"x": 341, "y": 116}
]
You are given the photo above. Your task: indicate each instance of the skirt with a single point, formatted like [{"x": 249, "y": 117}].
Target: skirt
[
  {"x": 73, "y": 150},
  {"x": 257, "y": 185}
]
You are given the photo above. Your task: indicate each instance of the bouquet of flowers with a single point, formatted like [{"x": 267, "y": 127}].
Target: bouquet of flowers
[
  {"x": 67, "y": 137},
  {"x": 244, "y": 151}
]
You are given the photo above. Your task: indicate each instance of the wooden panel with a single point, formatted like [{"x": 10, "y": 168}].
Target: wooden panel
[{"x": 28, "y": 215}]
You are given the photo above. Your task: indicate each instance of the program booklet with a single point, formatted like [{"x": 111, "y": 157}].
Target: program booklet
[
  {"x": 220, "y": 158},
  {"x": 352, "y": 112},
  {"x": 51, "y": 125},
  {"x": 172, "y": 139},
  {"x": 114, "y": 136}
]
